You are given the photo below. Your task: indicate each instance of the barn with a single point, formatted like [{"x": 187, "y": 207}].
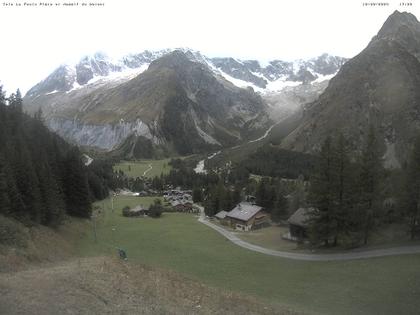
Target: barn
[{"x": 298, "y": 224}]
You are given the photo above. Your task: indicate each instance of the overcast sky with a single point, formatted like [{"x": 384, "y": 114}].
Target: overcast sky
[{"x": 35, "y": 40}]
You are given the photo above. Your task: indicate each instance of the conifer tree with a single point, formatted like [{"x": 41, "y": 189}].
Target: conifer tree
[
  {"x": 76, "y": 186},
  {"x": 370, "y": 178},
  {"x": 279, "y": 211},
  {"x": 323, "y": 223},
  {"x": 5, "y": 205},
  {"x": 411, "y": 195},
  {"x": 345, "y": 193}
]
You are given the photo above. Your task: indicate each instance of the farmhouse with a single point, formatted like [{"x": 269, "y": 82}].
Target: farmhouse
[
  {"x": 246, "y": 216},
  {"x": 298, "y": 224}
]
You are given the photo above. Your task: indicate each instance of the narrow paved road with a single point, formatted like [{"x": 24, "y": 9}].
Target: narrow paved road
[{"x": 351, "y": 255}]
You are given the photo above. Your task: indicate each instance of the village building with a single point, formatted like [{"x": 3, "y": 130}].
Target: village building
[
  {"x": 221, "y": 217},
  {"x": 182, "y": 206},
  {"x": 246, "y": 216},
  {"x": 135, "y": 212},
  {"x": 298, "y": 224}
]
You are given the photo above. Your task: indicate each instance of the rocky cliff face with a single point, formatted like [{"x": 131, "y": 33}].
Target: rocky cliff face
[{"x": 379, "y": 88}]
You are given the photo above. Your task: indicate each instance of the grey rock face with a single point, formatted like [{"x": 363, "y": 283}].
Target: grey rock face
[{"x": 105, "y": 136}]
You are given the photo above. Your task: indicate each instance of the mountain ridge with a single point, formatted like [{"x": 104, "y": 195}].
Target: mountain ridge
[{"x": 378, "y": 87}]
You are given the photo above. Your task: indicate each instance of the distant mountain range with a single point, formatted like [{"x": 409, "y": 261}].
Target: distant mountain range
[
  {"x": 178, "y": 99},
  {"x": 380, "y": 87}
]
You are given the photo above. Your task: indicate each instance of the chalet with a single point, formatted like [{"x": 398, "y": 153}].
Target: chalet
[
  {"x": 135, "y": 212},
  {"x": 298, "y": 224},
  {"x": 246, "y": 216}
]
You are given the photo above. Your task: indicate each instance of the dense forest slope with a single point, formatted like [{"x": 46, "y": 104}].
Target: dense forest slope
[{"x": 42, "y": 178}]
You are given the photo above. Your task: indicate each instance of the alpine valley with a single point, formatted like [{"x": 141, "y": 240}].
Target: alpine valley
[{"x": 171, "y": 182}]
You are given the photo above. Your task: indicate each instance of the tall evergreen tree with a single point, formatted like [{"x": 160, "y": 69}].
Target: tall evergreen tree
[
  {"x": 15, "y": 101},
  {"x": 279, "y": 211},
  {"x": 323, "y": 224},
  {"x": 76, "y": 186},
  {"x": 370, "y": 178},
  {"x": 345, "y": 193},
  {"x": 411, "y": 195},
  {"x": 5, "y": 205}
]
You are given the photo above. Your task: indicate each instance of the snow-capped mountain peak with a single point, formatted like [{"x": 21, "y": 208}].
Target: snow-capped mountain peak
[{"x": 274, "y": 76}]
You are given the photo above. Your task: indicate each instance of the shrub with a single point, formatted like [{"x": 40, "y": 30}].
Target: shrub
[{"x": 13, "y": 233}]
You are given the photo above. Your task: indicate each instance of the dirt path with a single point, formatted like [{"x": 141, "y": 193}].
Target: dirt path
[
  {"x": 265, "y": 135},
  {"x": 351, "y": 255},
  {"x": 148, "y": 170}
]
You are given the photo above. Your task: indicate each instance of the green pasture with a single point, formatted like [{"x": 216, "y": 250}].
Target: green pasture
[{"x": 177, "y": 241}]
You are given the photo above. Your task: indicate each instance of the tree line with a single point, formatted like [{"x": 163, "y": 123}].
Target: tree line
[{"x": 348, "y": 193}]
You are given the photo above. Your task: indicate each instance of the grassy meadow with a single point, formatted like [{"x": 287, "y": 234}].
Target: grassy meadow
[
  {"x": 137, "y": 168},
  {"x": 178, "y": 242}
]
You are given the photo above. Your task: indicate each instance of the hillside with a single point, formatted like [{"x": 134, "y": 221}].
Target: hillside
[
  {"x": 378, "y": 87},
  {"x": 103, "y": 285},
  {"x": 39, "y": 266}
]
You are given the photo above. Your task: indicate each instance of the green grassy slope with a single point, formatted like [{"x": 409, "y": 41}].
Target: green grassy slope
[{"x": 177, "y": 241}]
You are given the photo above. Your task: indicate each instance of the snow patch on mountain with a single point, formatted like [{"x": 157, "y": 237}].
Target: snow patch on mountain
[
  {"x": 322, "y": 78},
  {"x": 280, "y": 84},
  {"x": 240, "y": 83}
]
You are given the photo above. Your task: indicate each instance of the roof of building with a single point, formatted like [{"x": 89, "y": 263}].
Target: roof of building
[
  {"x": 300, "y": 217},
  {"x": 244, "y": 211},
  {"x": 221, "y": 215}
]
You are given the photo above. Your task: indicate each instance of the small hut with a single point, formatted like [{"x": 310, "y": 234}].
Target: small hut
[
  {"x": 221, "y": 217},
  {"x": 298, "y": 224}
]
